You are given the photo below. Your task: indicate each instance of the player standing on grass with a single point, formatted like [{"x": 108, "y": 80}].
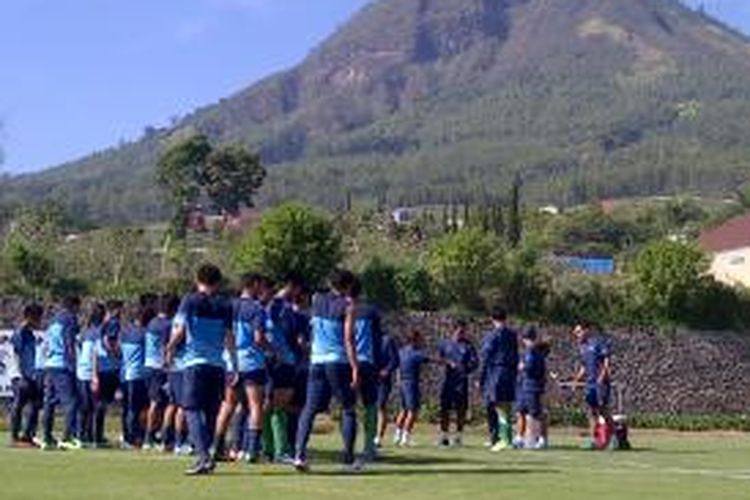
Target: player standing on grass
[
  {"x": 460, "y": 359},
  {"x": 250, "y": 332},
  {"x": 368, "y": 338},
  {"x": 499, "y": 362},
  {"x": 204, "y": 323},
  {"x": 107, "y": 370},
  {"x": 411, "y": 357},
  {"x": 388, "y": 365},
  {"x": 25, "y": 388},
  {"x": 157, "y": 337},
  {"x": 135, "y": 388},
  {"x": 59, "y": 372},
  {"x": 533, "y": 381},
  {"x": 595, "y": 370},
  {"x": 334, "y": 367},
  {"x": 85, "y": 366}
]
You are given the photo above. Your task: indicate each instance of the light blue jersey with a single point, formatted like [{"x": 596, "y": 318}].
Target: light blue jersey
[
  {"x": 60, "y": 342},
  {"x": 249, "y": 317},
  {"x": 157, "y": 337},
  {"x": 367, "y": 334},
  {"x": 133, "y": 346},
  {"x": 86, "y": 353},
  {"x": 328, "y": 316},
  {"x": 206, "y": 320}
]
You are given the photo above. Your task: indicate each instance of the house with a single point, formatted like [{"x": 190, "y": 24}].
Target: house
[
  {"x": 729, "y": 245},
  {"x": 403, "y": 216}
]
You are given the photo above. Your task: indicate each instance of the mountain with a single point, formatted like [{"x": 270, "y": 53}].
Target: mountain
[{"x": 432, "y": 100}]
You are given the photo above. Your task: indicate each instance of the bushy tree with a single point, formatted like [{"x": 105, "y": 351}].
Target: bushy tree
[
  {"x": 231, "y": 177},
  {"x": 669, "y": 274},
  {"x": 380, "y": 280},
  {"x": 292, "y": 238},
  {"x": 463, "y": 264},
  {"x": 228, "y": 176}
]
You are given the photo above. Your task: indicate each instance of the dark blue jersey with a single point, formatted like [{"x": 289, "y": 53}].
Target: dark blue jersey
[
  {"x": 594, "y": 351},
  {"x": 462, "y": 357},
  {"x": 499, "y": 354},
  {"x": 280, "y": 331},
  {"x": 301, "y": 327},
  {"x": 534, "y": 370},
  {"x": 23, "y": 341},
  {"x": 206, "y": 320},
  {"x": 388, "y": 359},
  {"x": 411, "y": 360}
]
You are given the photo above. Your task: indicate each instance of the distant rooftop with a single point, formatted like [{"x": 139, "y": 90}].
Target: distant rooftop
[{"x": 732, "y": 235}]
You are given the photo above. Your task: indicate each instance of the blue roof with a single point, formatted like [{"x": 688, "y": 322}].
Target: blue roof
[{"x": 591, "y": 265}]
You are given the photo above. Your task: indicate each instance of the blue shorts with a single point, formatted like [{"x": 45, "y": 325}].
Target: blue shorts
[
  {"x": 598, "y": 395},
  {"x": 282, "y": 376},
  {"x": 203, "y": 387},
  {"x": 157, "y": 387},
  {"x": 174, "y": 392},
  {"x": 411, "y": 396},
  {"x": 368, "y": 384},
  {"x": 254, "y": 378},
  {"x": 385, "y": 387},
  {"x": 530, "y": 403},
  {"x": 454, "y": 395}
]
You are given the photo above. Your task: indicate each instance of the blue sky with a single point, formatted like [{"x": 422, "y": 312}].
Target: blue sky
[{"x": 81, "y": 75}]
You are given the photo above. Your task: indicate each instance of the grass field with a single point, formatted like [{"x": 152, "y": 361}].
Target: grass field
[{"x": 665, "y": 466}]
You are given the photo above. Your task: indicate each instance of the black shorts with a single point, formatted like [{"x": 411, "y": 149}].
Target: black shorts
[
  {"x": 282, "y": 376},
  {"x": 174, "y": 392},
  {"x": 329, "y": 380},
  {"x": 300, "y": 385},
  {"x": 598, "y": 396},
  {"x": 109, "y": 382},
  {"x": 203, "y": 387},
  {"x": 254, "y": 378},
  {"x": 454, "y": 395},
  {"x": 499, "y": 389},
  {"x": 157, "y": 387}
]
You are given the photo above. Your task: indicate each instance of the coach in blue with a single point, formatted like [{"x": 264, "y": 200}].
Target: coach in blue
[
  {"x": 334, "y": 368},
  {"x": 595, "y": 370},
  {"x": 499, "y": 361},
  {"x": 204, "y": 325},
  {"x": 59, "y": 373}
]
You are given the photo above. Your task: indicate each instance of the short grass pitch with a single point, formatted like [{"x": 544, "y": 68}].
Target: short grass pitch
[{"x": 664, "y": 466}]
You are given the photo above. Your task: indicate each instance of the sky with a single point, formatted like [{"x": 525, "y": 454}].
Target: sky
[{"x": 78, "y": 76}]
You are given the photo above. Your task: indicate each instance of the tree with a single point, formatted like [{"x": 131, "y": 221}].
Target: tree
[
  {"x": 292, "y": 238},
  {"x": 228, "y": 176},
  {"x": 231, "y": 177},
  {"x": 669, "y": 273},
  {"x": 178, "y": 172},
  {"x": 515, "y": 222},
  {"x": 463, "y": 264}
]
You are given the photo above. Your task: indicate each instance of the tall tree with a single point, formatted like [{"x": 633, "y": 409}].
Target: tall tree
[
  {"x": 515, "y": 224},
  {"x": 231, "y": 176},
  {"x": 178, "y": 172}
]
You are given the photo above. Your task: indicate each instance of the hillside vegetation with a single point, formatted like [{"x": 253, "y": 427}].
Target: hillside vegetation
[{"x": 431, "y": 101}]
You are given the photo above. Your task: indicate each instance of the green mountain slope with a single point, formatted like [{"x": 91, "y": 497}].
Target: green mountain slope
[{"x": 430, "y": 100}]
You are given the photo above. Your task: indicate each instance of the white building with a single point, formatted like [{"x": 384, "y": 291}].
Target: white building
[{"x": 729, "y": 244}]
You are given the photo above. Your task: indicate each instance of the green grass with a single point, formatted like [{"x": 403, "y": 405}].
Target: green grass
[{"x": 665, "y": 466}]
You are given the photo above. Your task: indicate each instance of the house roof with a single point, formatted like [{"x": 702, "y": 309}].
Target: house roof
[{"x": 732, "y": 235}]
